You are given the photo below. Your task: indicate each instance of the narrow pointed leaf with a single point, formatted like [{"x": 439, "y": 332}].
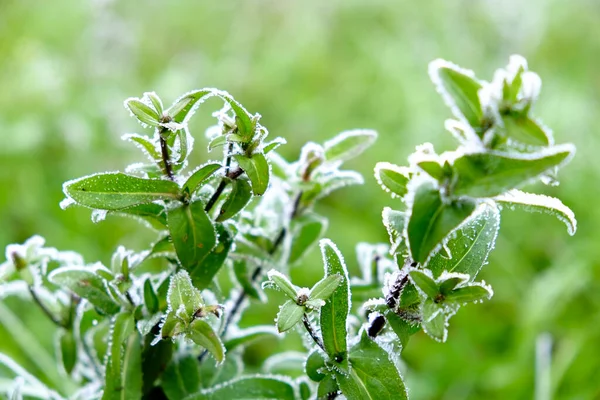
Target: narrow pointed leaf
[
  {"x": 469, "y": 294},
  {"x": 132, "y": 369},
  {"x": 218, "y": 141},
  {"x": 273, "y": 144},
  {"x": 325, "y": 287},
  {"x": 283, "y": 283},
  {"x": 145, "y": 144},
  {"x": 432, "y": 220},
  {"x": 526, "y": 130},
  {"x": 144, "y": 113},
  {"x": 193, "y": 233},
  {"x": 392, "y": 178},
  {"x": 425, "y": 283},
  {"x": 256, "y": 168},
  {"x": 150, "y": 298},
  {"x": 183, "y": 295},
  {"x": 122, "y": 327},
  {"x": 348, "y": 144},
  {"x": 115, "y": 190},
  {"x": 493, "y": 173},
  {"x": 200, "y": 176},
  {"x": 238, "y": 197},
  {"x": 202, "y": 334},
  {"x": 306, "y": 229},
  {"x": 253, "y": 387},
  {"x": 68, "y": 350},
  {"x": 289, "y": 315},
  {"x": 184, "y": 107}
]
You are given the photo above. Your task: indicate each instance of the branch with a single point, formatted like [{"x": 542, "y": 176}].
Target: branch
[
  {"x": 312, "y": 332},
  {"x": 45, "y": 309},
  {"x": 165, "y": 155}
]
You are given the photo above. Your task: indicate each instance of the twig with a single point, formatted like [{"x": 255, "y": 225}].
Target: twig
[
  {"x": 311, "y": 332},
  {"x": 164, "y": 149},
  {"x": 43, "y": 307}
]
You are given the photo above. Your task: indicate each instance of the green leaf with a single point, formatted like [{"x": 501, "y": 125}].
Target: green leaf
[
  {"x": 315, "y": 364},
  {"x": 238, "y": 197},
  {"x": 539, "y": 203},
  {"x": 184, "y": 299},
  {"x": 218, "y": 141},
  {"x": 433, "y": 169},
  {"x": 145, "y": 144},
  {"x": 325, "y": 287},
  {"x": 526, "y": 130},
  {"x": 336, "y": 309},
  {"x": 202, "y": 334},
  {"x": 493, "y": 173},
  {"x": 243, "y": 118},
  {"x": 184, "y": 107},
  {"x": 144, "y": 113},
  {"x": 115, "y": 190},
  {"x": 449, "y": 281},
  {"x": 242, "y": 275},
  {"x": 289, "y": 315},
  {"x": 257, "y": 169},
  {"x": 392, "y": 178},
  {"x": 273, "y": 144},
  {"x": 181, "y": 378},
  {"x": 247, "y": 336},
  {"x": 433, "y": 320},
  {"x": 86, "y": 284},
  {"x": 348, "y": 144},
  {"x": 193, "y": 233},
  {"x": 424, "y": 282},
  {"x": 206, "y": 269},
  {"x": 372, "y": 375},
  {"x": 459, "y": 88},
  {"x": 151, "y": 214},
  {"x": 394, "y": 222},
  {"x": 150, "y": 297},
  {"x": 212, "y": 373},
  {"x": 171, "y": 326},
  {"x": 472, "y": 293},
  {"x": 250, "y": 388},
  {"x": 305, "y": 232},
  {"x": 328, "y": 388},
  {"x": 155, "y": 100},
  {"x": 200, "y": 175},
  {"x": 122, "y": 327},
  {"x": 403, "y": 329},
  {"x": 470, "y": 245},
  {"x": 283, "y": 283},
  {"x": 128, "y": 384},
  {"x": 432, "y": 220},
  {"x": 68, "y": 350}
]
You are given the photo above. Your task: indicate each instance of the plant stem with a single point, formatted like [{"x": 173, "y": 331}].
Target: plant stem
[
  {"x": 311, "y": 332},
  {"x": 224, "y": 181},
  {"x": 165, "y": 155},
  {"x": 46, "y": 311}
]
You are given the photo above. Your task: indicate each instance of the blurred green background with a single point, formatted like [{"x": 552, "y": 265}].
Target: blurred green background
[{"x": 312, "y": 69}]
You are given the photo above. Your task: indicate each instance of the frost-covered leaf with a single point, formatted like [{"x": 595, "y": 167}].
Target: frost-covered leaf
[
  {"x": 145, "y": 144},
  {"x": 493, "y": 173},
  {"x": 469, "y": 294},
  {"x": 539, "y": 203},
  {"x": 122, "y": 327},
  {"x": 273, "y": 144},
  {"x": 218, "y": 141},
  {"x": 213, "y": 373},
  {"x": 247, "y": 336},
  {"x": 283, "y": 283},
  {"x": 459, "y": 89},
  {"x": 434, "y": 320},
  {"x": 143, "y": 112},
  {"x": 115, "y": 190},
  {"x": 425, "y": 282},
  {"x": 325, "y": 287},
  {"x": 85, "y": 283},
  {"x": 392, "y": 178},
  {"x": 372, "y": 375},
  {"x": 289, "y": 315},
  {"x": 251, "y": 387},
  {"x": 401, "y": 328},
  {"x": 181, "y": 378},
  {"x": 432, "y": 219},
  {"x": 470, "y": 245},
  {"x": 328, "y": 388},
  {"x": 257, "y": 169},
  {"x": 435, "y": 169},
  {"x": 183, "y": 298},
  {"x": 206, "y": 269},
  {"x": 192, "y": 232},
  {"x": 330, "y": 182},
  {"x": 526, "y": 130},
  {"x": 200, "y": 175},
  {"x": 306, "y": 230},
  {"x": 151, "y": 214},
  {"x": 394, "y": 222},
  {"x": 68, "y": 350},
  {"x": 242, "y": 275},
  {"x": 202, "y": 334},
  {"x": 238, "y": 197},
  {"x": 128, "y": 384},
  {"x": 336, "y": 309},
  {"x": 150, "y": 297},
  {"x": 184, "y": 107},
  {"x": 171, "y": 326},
  {"x": 315, "y": 365},
  {"x": 348, "y": 144}
]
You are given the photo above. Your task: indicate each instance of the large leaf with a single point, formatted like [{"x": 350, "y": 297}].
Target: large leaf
[
  {"x": 181, "y": 378},
  {"x": 236, "y": 200},
  {"x": 306, "y": 231},
  {"x": 205, "y": 270},
  {"x": 372, "y": 375},
  {"x": 493, "y": 173},
  {"x": 348, "y": 144},
  {"x": 470, "y": 245},
  {"x": 540, "y": 203},
  {"x": 85, "y": 283},
  {"x": 115, "y": 190},
  {"x": 460, "y": 89},
  {"x": 250, "y": 388},
  {"x": 432, "y": 219},
  {"x": 335, "y": 311},
  {"x": 257, "y": 169},
  {"x": 193, "y": 233}
]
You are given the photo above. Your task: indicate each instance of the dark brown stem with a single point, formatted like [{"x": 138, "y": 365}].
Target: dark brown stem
[
  {"x": 311, "y": 332},
  {"x": 228, "y": 176},
  {"x": 164, "y": 149},
  {"x": 43, "y": 307}
]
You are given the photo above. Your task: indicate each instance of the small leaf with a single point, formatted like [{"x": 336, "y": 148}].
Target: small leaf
[
  {"x": 181, "y": 378},
  {"x": 283, "y": 283},
  {"x": 348, "y": 144},
  {"x": 401, "y": 328},
  {"x": 145, "y": 144},
  {"x": 68, "y": 350},
  {"x": 207, "y": 268},
  {"x": 540, "y": 203},
  {"x": 247, "y": 336},
  {"x": 237, "y": 199},
  {"x": 432, "y": 220},
  {"x": 434, "y": 320},
  {"x": 524, "y": 129},
  {"x": 273, "y": 144},
  {"x": 469, "y": 294},
  {"x": 243, "y": 118},
  {"x": 193, "y": 233},
  {"x": 171, "y": 327},
  {"x": 150, "y": 298},
  {"x": 328, "y": 388},
  {"x": 114, "y": 191},
  {"x": 372, "y": 375},
  {"x": 336, "y": 309},
  {"x": 325, "y": 287},
  {"x": 392, "y": 178},
  {"x": 306, "y": 230},
  {"x": 315, "y": 364},
  {"x": 254, "y": 387},
  {"x": 183, "y": 108},
  {"x": 155, "y": 100},
  {"x": 447, "y": 285},
  {"x": 183, "y": 296},
  {"x": 202, "y": 334},
  {"x": 218, "y": 141},
  {"x": 459, "y": 89},
  {"x": 200, "y": 175},
  {"x": 86, "y": 284},
  {"x": 433, "y": 168},
  {"x": 257, "y": 169},
  {"x": 394, "y": 222},
  {"x": 493, "y": 173},
  {"x": 144, "y": 113},
  {"x": 425, "y": 282},
  {"x": 289, "y": 315}
]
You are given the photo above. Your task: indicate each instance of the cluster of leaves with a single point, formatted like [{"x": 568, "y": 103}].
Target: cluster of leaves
[{"x": 131, "y": 331}]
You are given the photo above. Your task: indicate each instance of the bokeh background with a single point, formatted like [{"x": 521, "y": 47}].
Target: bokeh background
[{"x": 312, "y": 69}]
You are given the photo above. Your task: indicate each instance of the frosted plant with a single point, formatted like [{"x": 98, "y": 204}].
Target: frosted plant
[{"x": 123, "y": 332}]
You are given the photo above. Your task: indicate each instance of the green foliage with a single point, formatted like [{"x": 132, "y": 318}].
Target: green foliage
[{"x": 143, "y": 327}]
